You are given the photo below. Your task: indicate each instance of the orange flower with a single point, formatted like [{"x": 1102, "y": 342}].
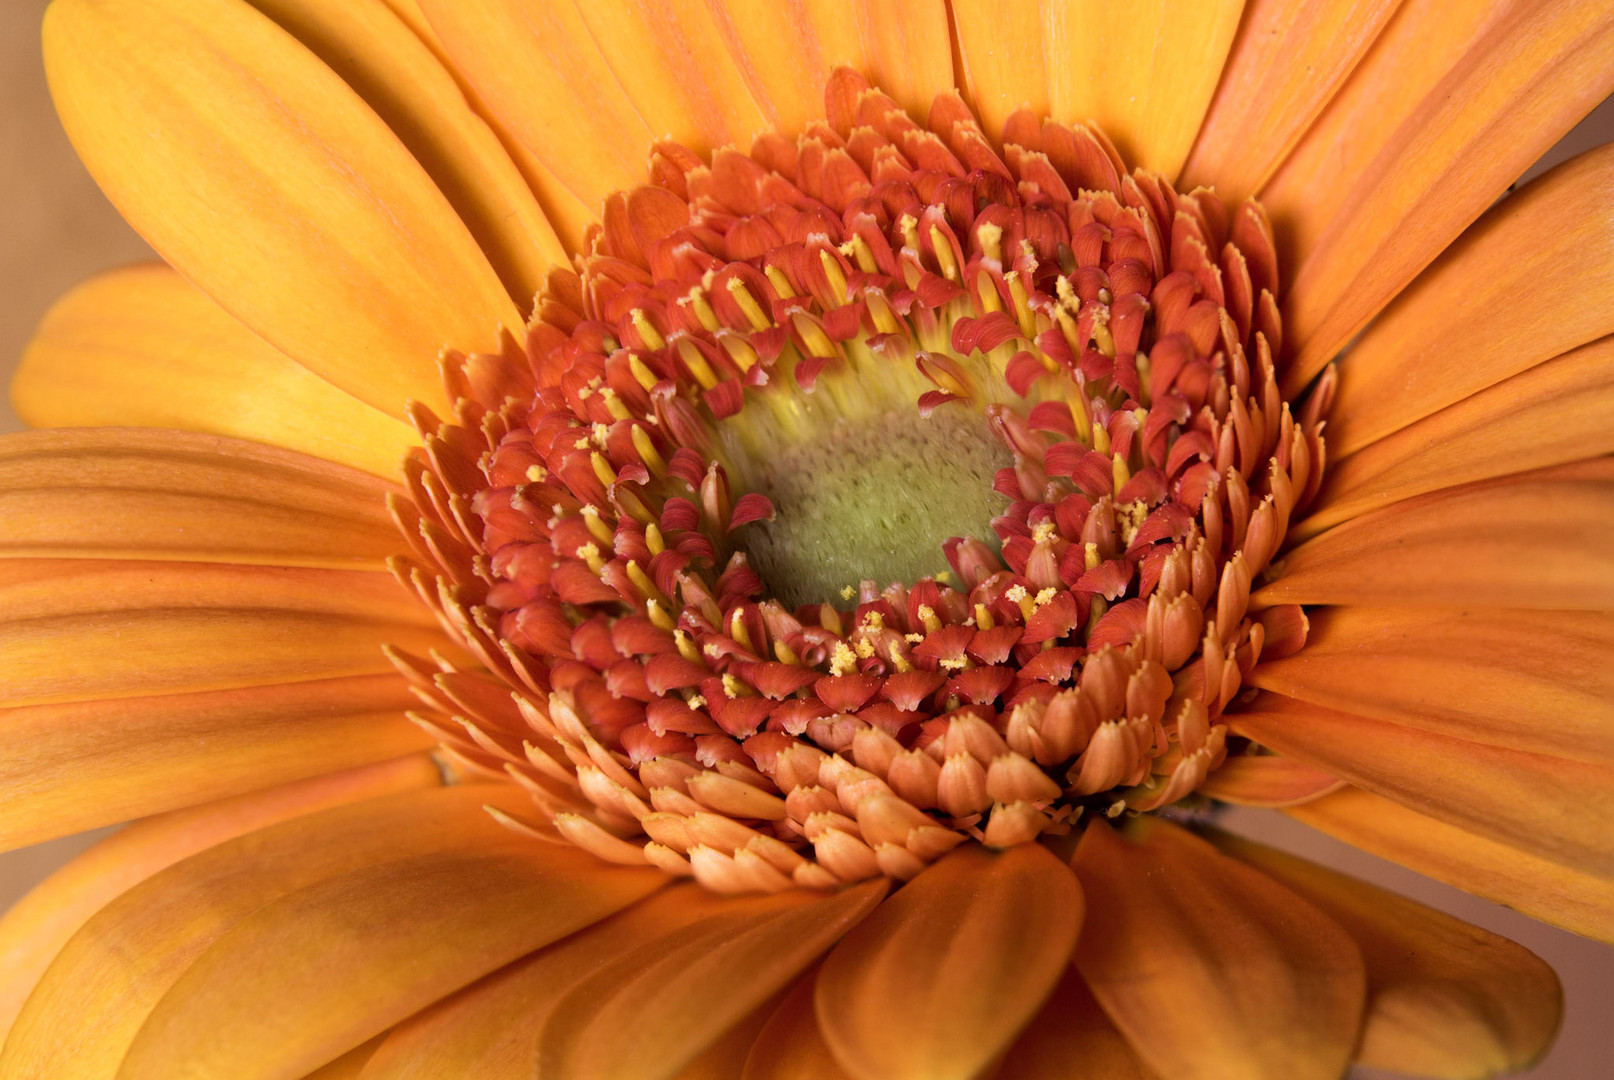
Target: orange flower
[{"x": 1028, "y": 407}]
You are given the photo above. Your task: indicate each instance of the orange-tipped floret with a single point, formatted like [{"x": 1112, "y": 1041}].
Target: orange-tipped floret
[{"x": 607, "y": 524}]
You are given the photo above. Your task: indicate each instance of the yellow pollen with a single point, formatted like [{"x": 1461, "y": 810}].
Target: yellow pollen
[
  {"x": 1130, "y": 518},
  {"x": 1090, "y": 556},
  {"x": 780, "y": 283},
  {"x": 927, "y": 615},
  {"x": 842, "y": 661},
  {"x": 686, "y": 646},
  {"x": 864, "y": 648},
  {"x": 702, "y": 308},
  {"x": 991, "y": 238},
  {"x": 647, "y": 452},
  {"x": 873, "y": 620},
  {"x": 913, "y": 639},
  {"x": 590, "y": 553},
  {"x": 652, "y": 337},
  {"x": 748, "y": 304},
  {"x": 944, "y": 577},
  {"x": 696, "y": 363},
  {"x": 847, "y": 592},
  {"x": 641, "y": 374},
  {"x": 813, "y": 336},
  {"x": 734, "y": 688},
  {"x": 953, "y": 663},
  {"x": 615, "y": 406},
  {"x": 739, "y": 350},
  {"x": 1043, "y": 532},
  {"x": 944, "y": 254},
  {"x": 599, "y": 433},
  {"x": 832, "y": 271},
  {"x": 695, "y": 701},
  {"x": 658, "y": 616},
  {"x": 600, "y": 530},
  {"x": 581, "y": 444},
  {"x": 1044, "y": 596},
  {"x": 537, "y": 473},
  {"x": 908, "y": 225}
]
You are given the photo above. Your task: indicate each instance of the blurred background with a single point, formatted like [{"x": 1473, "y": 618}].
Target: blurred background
[{"x": 56, "y": 229}]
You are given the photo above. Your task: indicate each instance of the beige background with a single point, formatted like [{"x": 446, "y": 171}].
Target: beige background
[{"x": 55, "y": 229}]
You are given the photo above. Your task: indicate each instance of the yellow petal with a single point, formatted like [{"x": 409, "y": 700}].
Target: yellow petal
[
  {"x": 379, "y": 56},
  {"x": 261, "y": 176},
  {"x": 1072, "y": 1039},
  {"x": 80, "y": 765},
  {"x": 1267, "y": 780},
  {"x": 548, "y": 81},
  {"x": 908, "y": 49},
  {"x": 76, "y": 630},
  {"x": 1561, "y": 809},
  {"x": 1210, "y": 969},
  {"x": 1287, "y": 62},
  {"x": 1517, "y": 877},
  {"x": 958, "y": 961},
  {"x": 38, "y": 925},
  {"x": 133, "y": 950},
  {"x": 186, "y": 496},
  {"x": 143, "y": 347},
  {"x": 682, "y": 993},
  {"x": 490, "y": 1030},
  {"x": 1527, "y": 82},
  {"x": 1536, "y": 681},
  {"x": 790, "y": 1045},
  {"x": 1443, "y": 339},
  {"x": 1447, "y": 549},
  {"x": 1001, "y": 49},
  {"x": 1424, "y": 41},
  {"x": 1145, "y": 71},
  {"x": 1445, "y": 999},
  {"x": 1554, "y": 413},
  {"x": 344, "y": 959}
]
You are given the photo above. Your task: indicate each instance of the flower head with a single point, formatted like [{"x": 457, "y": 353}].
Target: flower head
[{"x": 877, "y": 529}]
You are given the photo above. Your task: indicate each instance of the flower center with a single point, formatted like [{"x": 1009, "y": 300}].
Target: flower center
[
  {"x": 870, "y": 498},
  {"x": 871, "y": 493}
]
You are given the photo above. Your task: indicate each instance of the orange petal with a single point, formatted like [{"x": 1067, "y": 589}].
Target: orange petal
[
  {"x": 196, "y": 117},
  {"x": 1072, "y": 1039},
  {"x": 144, "y": 347},
  {"x": 1564, "y": 810},
  {"x": 346, "y": 958},
  {"x": 1424, "y": 41},
  {"x": 38, "y": 925},
  {"x": 1517, "y": 877},
  {"x": 1267, "y": 780},
  {"x": 957, "y": 962},
  {"x": 1287, "y": 62},
  {"x": 785, "y": 52},
  {"x": 1449, "y": 547},
  {"x": 537, "y": 67},
  {"x": 381, "y": 58},
  {"x": 675, "y": 65},
  {"x": 1210, "y": 969},
  {"x": 1554, "y": 413},
  {"x": 77, "y": 630},
  {"x": 908, "y": 49},
  {"x": 1145, "y": 72},
  {"x": 490, "y": 1030},
  {"x": 1442, "y": 339},
  {"x": 1528, "y": 81},
  {"x": 1535, "y": 681},
  {"x": 132, "y": 951},
  {"x": 80, "y": 765},
  {"x": 350, "y": 1066},
  {"x": 790, "y": 1045},
  {"x": 1445, "y": 999},
  {"x": 1001, "y": 49},
  {"x": 187, "y": 496},
  {"x": 681, "y": 994}
]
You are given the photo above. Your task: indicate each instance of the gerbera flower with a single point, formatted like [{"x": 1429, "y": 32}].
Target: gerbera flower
[{"x": 856, "y": 525}]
